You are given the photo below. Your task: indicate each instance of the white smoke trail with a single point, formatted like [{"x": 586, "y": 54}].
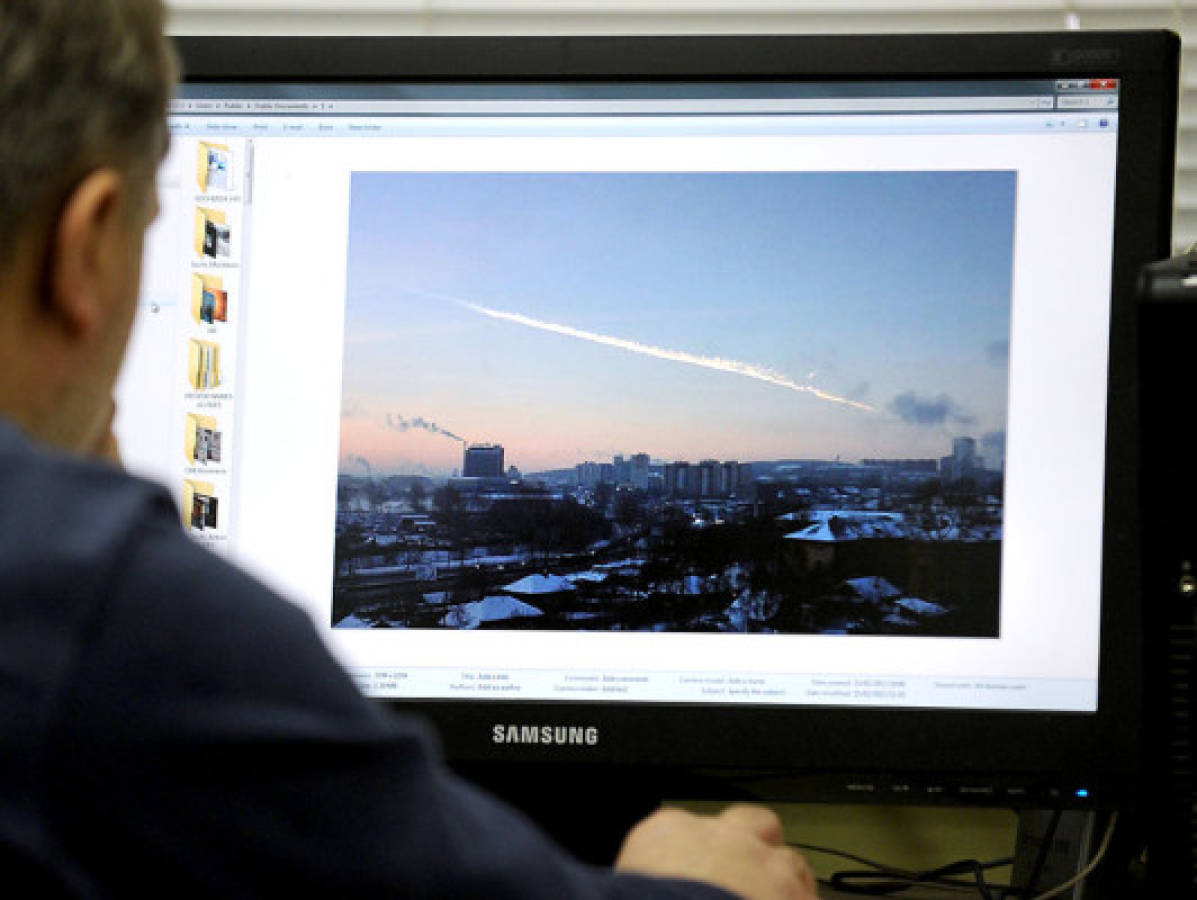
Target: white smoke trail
[{"x": 731, "y": 366}]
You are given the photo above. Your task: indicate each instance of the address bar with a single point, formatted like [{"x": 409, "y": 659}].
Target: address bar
[{"x": 716, "y": 106}]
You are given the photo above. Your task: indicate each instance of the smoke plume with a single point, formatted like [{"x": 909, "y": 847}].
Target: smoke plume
[{"x": 399, "y": 423}]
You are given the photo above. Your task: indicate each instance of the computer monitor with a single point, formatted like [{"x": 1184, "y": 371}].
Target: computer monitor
[{"x": 753, "y": 406}]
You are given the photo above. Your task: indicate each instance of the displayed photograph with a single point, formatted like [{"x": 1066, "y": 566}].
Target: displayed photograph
[{"x": 769, "y": 402}]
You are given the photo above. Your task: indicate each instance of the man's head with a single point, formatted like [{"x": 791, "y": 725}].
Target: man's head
[{"x": 83, "y": 92}]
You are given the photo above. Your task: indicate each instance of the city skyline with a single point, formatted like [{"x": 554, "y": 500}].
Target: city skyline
[{"x": 750, "y": 316}]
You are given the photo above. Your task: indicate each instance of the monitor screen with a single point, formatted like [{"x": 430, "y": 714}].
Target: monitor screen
[{"x": 775, "y": 392}]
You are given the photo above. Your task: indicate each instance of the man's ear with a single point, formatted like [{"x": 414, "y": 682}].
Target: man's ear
[{"x": 82, "y": 245}]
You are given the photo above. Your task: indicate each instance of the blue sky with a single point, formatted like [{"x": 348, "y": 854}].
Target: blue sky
[{"x": 888, "y": 289}]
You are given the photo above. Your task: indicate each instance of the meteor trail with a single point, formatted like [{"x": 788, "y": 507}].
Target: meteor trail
[{"x": 718, "y": 364}]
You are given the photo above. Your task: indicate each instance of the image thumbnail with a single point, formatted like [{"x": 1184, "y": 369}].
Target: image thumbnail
[
  {"x": 200, "y": 505},
  {"x": 203, "y": 364},
  {"x": 214, "y": 167},
  {"x": 768, "y": 402},
  {"x": 201, "y": 439},
  {"x": 209, "y": 299},
  {"x": 212, "y": 235}
]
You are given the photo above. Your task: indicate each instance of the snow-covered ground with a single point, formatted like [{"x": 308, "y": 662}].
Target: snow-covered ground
[{"x": 834, "y": 525}]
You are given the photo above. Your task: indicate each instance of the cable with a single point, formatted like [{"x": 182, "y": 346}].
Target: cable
[
  {"x": 872, "y": 883},
  {"x": 843, "y": 854},
  {"x": 1088, "y": 870},
  {"x": 902, "y": 879},
  {"x": 1041, "y": 855}
]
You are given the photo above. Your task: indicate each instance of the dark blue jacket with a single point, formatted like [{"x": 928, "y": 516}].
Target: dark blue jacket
[{"x": 170, "y": 726}]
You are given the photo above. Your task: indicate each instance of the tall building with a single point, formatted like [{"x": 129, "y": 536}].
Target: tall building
[
  {"x": 963, "y": 463},
  {"x": 587, "y": 473},
  {"x": 622, "y": 471},
  {"x": 640, "y": 467},
  {"x": 729, "y": 478},
  {"x": 676, "y": 478},
  {"x": 482, "y": 461},
  {"x": 707, "y": 478},
  {"x": 964, "y": 450}
]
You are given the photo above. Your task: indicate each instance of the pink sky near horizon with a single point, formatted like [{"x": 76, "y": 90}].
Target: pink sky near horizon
[
  {"x": 404, "y": 452},
  {"x": 532, "y": 446}
]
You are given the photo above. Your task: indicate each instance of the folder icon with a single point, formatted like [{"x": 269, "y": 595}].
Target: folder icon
[
  {"x": 200, "y": 505},
  {"x": 213, "y": 167},
  {"x": 212, "y": 236},
  {"x": 203, "y": 364},
  {"x": 201, "y": 439},
  {"x": 209, "y": 299}
]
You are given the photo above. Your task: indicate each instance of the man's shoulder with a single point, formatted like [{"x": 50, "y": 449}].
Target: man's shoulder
[
  {"x": 95, "y": 566},
  {"x": 67, "y": 520},
  {"x": 73, "y": 528}
]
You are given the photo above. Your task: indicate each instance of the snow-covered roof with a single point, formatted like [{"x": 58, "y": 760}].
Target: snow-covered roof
[
  {"x": 383, "y": 570},
  {"x": 590, "y": 577},
  {"x": 540, "y": 584},
  {"x": 506, "y": 559},
  {"x": 619, "y": 564},
  {"x": 850, "y": 525},
  {"x": 872, "y": 588},
  {"x": 352, "y": 621},
  {"x": 820, "y": 532},
  {"x": 488, "y": 609},
  {"x": 920, "y": 607}
]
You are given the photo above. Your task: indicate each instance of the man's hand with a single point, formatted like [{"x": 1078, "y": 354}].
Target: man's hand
[{"x": 742, "y": 850}]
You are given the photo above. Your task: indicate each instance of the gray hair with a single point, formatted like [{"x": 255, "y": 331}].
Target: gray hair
[{"x": 83, "y": 84}]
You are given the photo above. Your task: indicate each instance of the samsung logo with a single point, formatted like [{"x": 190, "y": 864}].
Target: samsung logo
[
  {"x": 1085, "y": 56},
  {"x": 580, "y": 735}
]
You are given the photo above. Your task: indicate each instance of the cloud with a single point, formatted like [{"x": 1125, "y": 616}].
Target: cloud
[
  {"x": 928, "y": 411},
  {"x": 993, "y": 445},
  {"x": 998, "y": 352}
]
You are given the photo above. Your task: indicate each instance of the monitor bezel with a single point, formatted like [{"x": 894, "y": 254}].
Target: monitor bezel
[{"x": 820, "y": 750}]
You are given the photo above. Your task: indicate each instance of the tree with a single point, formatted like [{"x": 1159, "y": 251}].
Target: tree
[
  {"x": 629, "y": 507},
  {"x": 417, "y": 495},
  {"x": 348, "y": 546}
]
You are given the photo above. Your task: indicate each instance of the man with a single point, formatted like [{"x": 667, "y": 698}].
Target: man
[{"x": 166, "y": 723}]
